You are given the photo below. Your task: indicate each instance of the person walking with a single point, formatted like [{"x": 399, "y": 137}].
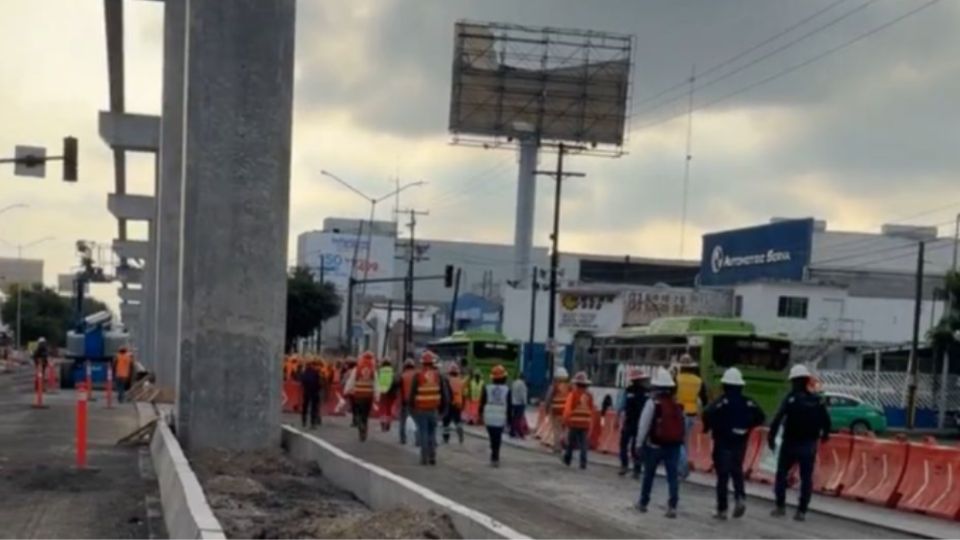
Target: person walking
[
  {"x": 474, "y": 393},
  {"x": 427, "y": 397},
  {"x": 452, "y": 418},
  {"x": 556, "y": 400},
  {"x": 518, "y": 407},
  {"x": 401, "y": 388},
  {"x": 41, "y": 355},
  {"x": 634, "y": 398},
  {"x": 310, "y": 382},
  {"x": 385, "y": 378},
  {"x": 661, "y": 432},
  {"x": 122, "y": 368},
  {"x": 692, "y": 395},
  {"x": 495, "y": 410},
  {"x": 578, "y": 413},
  {"x": 363, "y": 390},
  {"x": 729, "y": 420},
  {"x": 804, "y": 419}
]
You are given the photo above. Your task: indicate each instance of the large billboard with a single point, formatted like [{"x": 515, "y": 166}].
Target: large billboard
[
  {"x": 336, "y": 251},
  {"x": 642, "y": 305},
  {"x": 590, "y": 311},
  {"x": 775, "y": 252},
  {"x": 512, "y": 81}
]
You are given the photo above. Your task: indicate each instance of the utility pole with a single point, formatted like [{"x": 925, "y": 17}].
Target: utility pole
[
  {"x": 386, "y": 333},
  {"x": 534, "y": 285},
  {"x": 914, "y": 344},
  {"x": 453, "y": 304},
  {"x": 320, "y": 326},
  {"x": 408, "y": 287}
]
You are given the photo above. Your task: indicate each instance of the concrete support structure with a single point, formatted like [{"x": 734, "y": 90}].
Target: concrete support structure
[
  {"x": 236, "y": 188},
  {"x": 526, "y": 206},
  {"x": 169, "y": 190}
]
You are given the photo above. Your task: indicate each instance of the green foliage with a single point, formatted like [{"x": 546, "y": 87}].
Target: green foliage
[
  {"x": 308, "y": 304},
  {"x": 43, "y": 313}
]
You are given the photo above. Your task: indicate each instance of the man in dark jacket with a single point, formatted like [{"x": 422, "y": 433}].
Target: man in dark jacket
[
  {"x": 804, "y": 419},
  {"x": 310, "y": 385},
  {"x": 730, "y": 419},
  {"x": 634, "y": 397}
]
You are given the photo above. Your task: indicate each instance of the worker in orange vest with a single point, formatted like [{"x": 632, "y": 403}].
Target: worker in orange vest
[
  {"x": 122, "y": 368},
  {"x": 453, "y": 415},
  {"x": 362, "y": 388},
  {"x": 428, "y": 393},
  {"x": 401, "y": 388},
  {"x": 578, "y": 412},
  {"x": 556, "y": 400}
]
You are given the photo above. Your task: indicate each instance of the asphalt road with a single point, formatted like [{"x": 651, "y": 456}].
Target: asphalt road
[
  {"x": 536, "y": 495},
  {"x": 42, "y": 494}
]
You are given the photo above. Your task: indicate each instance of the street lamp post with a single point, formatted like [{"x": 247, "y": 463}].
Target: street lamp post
[{"x": 20, "y": 248}]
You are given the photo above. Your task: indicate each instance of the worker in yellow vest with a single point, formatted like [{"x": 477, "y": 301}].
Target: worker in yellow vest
[
  {"x": 363, "y": 390},
  {"x": 385, "y": 378},
  {"x": 692, "y": 396},
  {"x": 555, "y": 401},
  {"x": 474, "y": 392}
]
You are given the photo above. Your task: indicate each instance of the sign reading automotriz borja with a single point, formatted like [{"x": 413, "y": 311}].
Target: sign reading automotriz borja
[{"x": 779, "y": 251}]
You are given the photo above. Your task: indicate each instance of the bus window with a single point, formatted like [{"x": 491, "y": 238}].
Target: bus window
[
  {"x": 756, "y": 353},
  {"x": 450, "y": 351},
  {"x": 492, "y": 350}
]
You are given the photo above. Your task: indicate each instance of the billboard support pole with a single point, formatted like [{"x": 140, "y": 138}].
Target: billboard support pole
[
  {"x": 350, "y": 283},
  {"x": 526, "y": 206}
]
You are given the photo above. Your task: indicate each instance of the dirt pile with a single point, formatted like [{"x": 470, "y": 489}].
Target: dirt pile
[{"x": 269, "y": 495}]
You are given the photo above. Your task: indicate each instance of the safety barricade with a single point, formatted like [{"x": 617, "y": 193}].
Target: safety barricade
[
  {"x": 609, "y": 442},
  {"x": 542, "y": 422},
  {"x": 471, "y": 413},
  {"x": 334, "y": 403},
  {"x": 292, "y": 396},
  {"x": 833, "y": 457},
  {"x": 756, "y": 442},
  {"x": 931, "y": 480},
  {"x": 875, "y": 469},
  {"x": 765, "y": 467},
  {"x": 596, "y": 429},
  {"x": 699, "y": 448}
]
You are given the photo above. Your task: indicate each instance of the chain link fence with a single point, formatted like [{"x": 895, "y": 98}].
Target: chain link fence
[{"x": 889, "y": 389}]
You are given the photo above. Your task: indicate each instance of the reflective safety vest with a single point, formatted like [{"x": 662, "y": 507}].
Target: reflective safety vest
[
  {"x": 363, "y": 381},
  {"x": 495, "y": 409},
  {"x": 456, "y": 391},
  {"x": 688, "y": 392},
  {"x": 476, "y": 389},
  {"x": 385, "y": 379},
  {"x": 578, "y": 413},
  {"x": 428, "y": 391},
  {"x": 124, "y": 361},
  {"x": 560, "y": 392},
  {"x": 406, "y": 383}
]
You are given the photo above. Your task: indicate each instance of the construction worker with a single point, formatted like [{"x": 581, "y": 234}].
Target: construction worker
[
  {"x": 578, "y": 412},
  {"x": 804, "y": 419},
  {"x": 634, "y": 398},
  {"x": 495, "y": 410},
  {"x": 385, "y": 378},
  {"x": 428, "y": 400},
  {"x": 41, "y": 355},
  {"x": 452, "y": 418},
  {"x": 692, "y": 395},
  {"x": 729, "y": 419},
  {"x": 401, "y": 388},
  {"x": 661, "y": 432},
  {"x": 310, "y": 386},
  {"x": 556, "y": 399},
  {"x": 122, "y": 368},
  {"x": 518, "y": 407},
  {"x": 363, "y": 390},
  {"x": 474, "y": 394},
  {"x": 347, "y": 372}
]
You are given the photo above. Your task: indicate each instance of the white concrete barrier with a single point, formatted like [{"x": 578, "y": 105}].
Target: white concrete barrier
[
  {"x": 185, "y": 509},
  {"x": 381, "y": 489}
]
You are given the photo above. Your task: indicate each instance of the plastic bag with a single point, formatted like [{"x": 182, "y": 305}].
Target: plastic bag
[
  {"x": 411, "y": 428},
  {"x": 768, "y": 458}
]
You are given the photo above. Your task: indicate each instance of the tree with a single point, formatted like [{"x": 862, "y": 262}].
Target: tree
[
  {"x": 43, "y": 313},
  {"x": 308, "y": 304}
]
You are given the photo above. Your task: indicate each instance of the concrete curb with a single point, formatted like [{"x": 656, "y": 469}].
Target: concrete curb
[
  {"x": 185, "y": 509},
  {"x": 381, "y": 489}
]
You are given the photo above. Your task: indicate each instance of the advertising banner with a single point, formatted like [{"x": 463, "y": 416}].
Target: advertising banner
[
  {"x": 335, "y": 252},
  {"x": 641, "y": 306},
  {"x": 778, "y": 251},
  {"x": 589, "y": 311}
]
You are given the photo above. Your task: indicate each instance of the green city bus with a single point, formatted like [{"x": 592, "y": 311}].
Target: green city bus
[
  {"x": 479, "y": 350},
  {"x": 714, "y": 343}
]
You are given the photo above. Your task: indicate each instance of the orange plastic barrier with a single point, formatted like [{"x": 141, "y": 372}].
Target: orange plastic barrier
[
  {"x": 699, "y": 448},
  {"x": 292, "y": 396},
  {"x": 833, "y": 457},
  {"x": 542, "y": 422},
  {"x": 875, "y": 469},
  {"x": 931, "y": 481},
  {"x": 757, "y": 473},
  {"x": 334, "y": 404},
  {"x": 609, "y": 442},
  {"x": 471, "y": 413},
  {"x": 596, "y": 429},
  {"x": 758, "y": 438}
]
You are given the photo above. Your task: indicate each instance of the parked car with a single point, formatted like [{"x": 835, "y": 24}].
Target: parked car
[{"x": 848, "y": 412}]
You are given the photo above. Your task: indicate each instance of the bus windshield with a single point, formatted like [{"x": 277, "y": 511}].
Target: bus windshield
[
  {"x": 495, "y": 350},
  {"x": 450, "y": 352},
  {"x": 751, "y": 353}
]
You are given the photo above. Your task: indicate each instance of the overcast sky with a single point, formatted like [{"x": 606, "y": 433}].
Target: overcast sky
[{"x": 865, "y": 135}]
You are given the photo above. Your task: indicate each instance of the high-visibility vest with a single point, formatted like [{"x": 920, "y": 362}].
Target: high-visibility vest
[
  {"x": 363, "y": 381},
  {"x": 124, "y": 361},
  {"x": 385, "y": 378},
  {"x": 560, "y": 392},
  {"x": 495, "y": 409},
  {"x": 428, "y": 391},
  {"x": 456, "y": 391},
  {"x": 688, "y": 392},
  {"x": 406, "y": 383},
  {"x": 580, "y": 407},
  {"x": 476, "y": 389}
]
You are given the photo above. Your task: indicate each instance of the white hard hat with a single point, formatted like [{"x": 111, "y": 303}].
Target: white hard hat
[
  {"x": 732, "y": 377},
  {"x": 799, "y": 370},
  {"x": 662, "y": 379},
  {"x": 41, "y": 340},
  {"x": 561, "y": 373}
]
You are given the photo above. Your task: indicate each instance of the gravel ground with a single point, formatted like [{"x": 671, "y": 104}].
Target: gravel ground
[{"x": 269, "y": 495}]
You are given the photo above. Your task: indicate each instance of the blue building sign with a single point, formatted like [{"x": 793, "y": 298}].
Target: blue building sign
[{"x": 778, "y": 252}]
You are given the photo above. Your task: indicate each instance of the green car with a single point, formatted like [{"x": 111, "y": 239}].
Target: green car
[{"x": 848, "y": 412}]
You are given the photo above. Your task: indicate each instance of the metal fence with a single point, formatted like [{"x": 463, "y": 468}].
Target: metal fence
[{"x": 889, "y": 389}]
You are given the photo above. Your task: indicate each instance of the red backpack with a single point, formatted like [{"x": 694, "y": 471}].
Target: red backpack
[{"x": 668, "y": 422}]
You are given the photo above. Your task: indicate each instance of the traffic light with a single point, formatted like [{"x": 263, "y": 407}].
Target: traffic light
[
  {"x": 69, "y": 159},
  {"x": 448, "y": 276}
]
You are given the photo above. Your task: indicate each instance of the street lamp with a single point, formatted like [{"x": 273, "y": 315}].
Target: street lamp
[{"x": 20, "y": 248}]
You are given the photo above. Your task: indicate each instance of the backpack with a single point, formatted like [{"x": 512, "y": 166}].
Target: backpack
[{"x": 668, "y": 422}]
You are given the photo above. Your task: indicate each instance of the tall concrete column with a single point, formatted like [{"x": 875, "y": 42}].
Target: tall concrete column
[
  {"x": 169, "y": 190},
  {"x": 147, "y": 329},
  {"x": 236, "y": 193},
  {"x": 526, "y": 204}
]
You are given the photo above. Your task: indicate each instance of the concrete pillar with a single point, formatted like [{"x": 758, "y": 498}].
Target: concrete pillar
[
  {"x": 236, "y": 194},
  {"x": 167, "y": 294},
  {"x": 526, "y": 204},
  {"x": 147, "y": 330}
]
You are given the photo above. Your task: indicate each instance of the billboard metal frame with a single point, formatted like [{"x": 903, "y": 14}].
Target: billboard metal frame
[{"x": 553, "y": 84}]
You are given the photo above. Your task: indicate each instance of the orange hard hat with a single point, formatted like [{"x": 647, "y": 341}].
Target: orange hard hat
[
  {"x": 498, "y": 372},
  {"x": 428, "y": 358}
]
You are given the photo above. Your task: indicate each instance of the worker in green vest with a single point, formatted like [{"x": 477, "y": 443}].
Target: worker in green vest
[
  {"x": 385, "y": 383},
  {"x": 475, "y": 390}
]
